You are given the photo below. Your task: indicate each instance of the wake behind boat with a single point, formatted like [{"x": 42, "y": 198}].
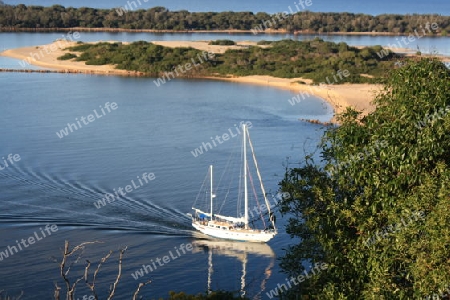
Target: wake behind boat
[{"x": 237, "y": 228}]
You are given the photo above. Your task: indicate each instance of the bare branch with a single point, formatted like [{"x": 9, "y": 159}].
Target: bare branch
[
  {"x": 86, "y": 275},
  {"x": 81, "y": 246},
  {"x": 113, "y": 290},
  {"x": 62, "y": 266},
  {"x": 104, "y": 259},
  {"x": 6, "y": 297},
  {"x": 75, "y": 261},
  {"x": 64, "y": 273},
  {"x": 74, "y": 285},
  {"x": 92, "y": 286},
  {"x": 57, "y": 289},
  {"x": 86, "y": 270},
  {"x": 139, "y": 289}
]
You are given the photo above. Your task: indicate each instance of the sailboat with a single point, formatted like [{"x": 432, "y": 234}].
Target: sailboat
[{"x": 236, "y": 228}]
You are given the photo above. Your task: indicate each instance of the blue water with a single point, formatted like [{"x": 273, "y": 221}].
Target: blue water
[
  {"x": 356, "y": 6},
  {"x": 440, "y": 45},
  {"x": 153, "y": 130}
]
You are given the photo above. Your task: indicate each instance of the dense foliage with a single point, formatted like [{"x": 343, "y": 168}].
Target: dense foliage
[
  {"x": 67, "y": 56},
  {"x": 141, "y": 56},
  {"x": 377, "y": 208},
  {"x": 159, "y": 18},
  {"x": 223, "y": 42},
  {"x": 315, "y": 59}
]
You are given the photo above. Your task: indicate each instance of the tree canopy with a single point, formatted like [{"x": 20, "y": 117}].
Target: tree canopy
[
  {"x": 16, "y": 17},
  {"x": 376, "y": 208}
]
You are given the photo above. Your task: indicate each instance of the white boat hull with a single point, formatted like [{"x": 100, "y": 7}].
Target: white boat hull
[
  {"x": 234, "y": 228},
  {"x": 246, "y": 235}
]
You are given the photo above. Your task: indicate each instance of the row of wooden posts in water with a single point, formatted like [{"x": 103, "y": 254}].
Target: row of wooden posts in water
[{"x": 74, "y": 71}]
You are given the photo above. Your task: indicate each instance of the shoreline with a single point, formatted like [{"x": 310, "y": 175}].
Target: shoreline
[
  {"x": 358, "y": 96},
  {"x": 229, "y": 31}
]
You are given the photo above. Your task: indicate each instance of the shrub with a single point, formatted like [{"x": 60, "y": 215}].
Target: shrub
[
  {"x": 67, "y": 56},
  {"x": 222, "y": 42}
]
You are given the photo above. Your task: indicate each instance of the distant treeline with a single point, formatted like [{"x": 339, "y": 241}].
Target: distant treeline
[
  {"x": 315, "y": 59},
  {"x": 159, "y": 18}
]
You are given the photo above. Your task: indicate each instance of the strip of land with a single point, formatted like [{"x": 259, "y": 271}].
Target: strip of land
[
  {"x": 358, "y": 96},
  {"x": 46, "y": 56},
  {"x": 229, "y": 31}
]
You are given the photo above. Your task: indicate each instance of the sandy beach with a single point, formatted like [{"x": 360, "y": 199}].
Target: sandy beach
[
  {"x": 358, "y": 96},
  {"x": 46, "y": 56},
  {"x": 203, "y": 45}
]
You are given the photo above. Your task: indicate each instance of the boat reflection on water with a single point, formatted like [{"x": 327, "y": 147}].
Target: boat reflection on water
[{"x": 242, "y": 251}]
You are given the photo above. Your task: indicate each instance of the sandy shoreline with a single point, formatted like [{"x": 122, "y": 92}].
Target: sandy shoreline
[
  {"x": 358, "y": 96},
  {"x": 46, "y": 56}
]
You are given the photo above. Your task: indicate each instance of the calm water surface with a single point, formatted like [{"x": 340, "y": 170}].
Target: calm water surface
[
  {"x": 439, "y": 45},
  {"x": 57, "y": 180}
]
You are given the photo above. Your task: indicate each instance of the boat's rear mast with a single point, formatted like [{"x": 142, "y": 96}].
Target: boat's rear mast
[
  {"x": 244, "y": 138},
  {"x": 211, "y": 194}
]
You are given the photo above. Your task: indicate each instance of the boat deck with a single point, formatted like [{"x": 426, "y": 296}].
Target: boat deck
[{"x": 226, "y": 226}]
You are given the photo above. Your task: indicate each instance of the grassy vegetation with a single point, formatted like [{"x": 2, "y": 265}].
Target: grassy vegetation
[
  {"x": 138, "y": 56},
  {"x": 222, "y": 42},
  {"x": 315, "y": 59},
  {"x": 67, "y": 56},
  {"x": 263, "y": 43}
]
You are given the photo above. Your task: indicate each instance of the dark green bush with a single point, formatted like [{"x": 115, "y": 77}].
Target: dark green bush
[
  {"x": 222, "y": 42},
  {"x": 67, "y": 56}
]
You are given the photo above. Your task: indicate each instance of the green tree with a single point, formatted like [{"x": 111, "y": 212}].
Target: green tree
[
  {"x": 14, "y": 17},
  {"x": 376, "y": 209}
]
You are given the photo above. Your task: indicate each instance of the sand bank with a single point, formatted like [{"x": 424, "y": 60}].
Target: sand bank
[
  {"x": 358, "y": 96},
  {"x": 46, "y": 56},
  {"x": 203, "y": 45}
]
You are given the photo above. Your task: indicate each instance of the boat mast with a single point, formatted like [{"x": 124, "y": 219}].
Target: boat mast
[
  {"x": 211, "y": 195},
  {"x": 261, "y": 183},
  {"x": 244, "y": 129}
]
